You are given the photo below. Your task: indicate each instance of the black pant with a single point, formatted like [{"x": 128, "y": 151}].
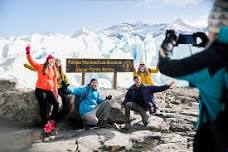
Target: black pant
[
  {"x": 65, "y": 99},
  {"x": 44, "y": 97}
]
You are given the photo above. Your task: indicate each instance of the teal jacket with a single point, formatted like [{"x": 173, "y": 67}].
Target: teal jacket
[
  {"x": 89, "y": 98},
  {"x": 206, "y": 70}
]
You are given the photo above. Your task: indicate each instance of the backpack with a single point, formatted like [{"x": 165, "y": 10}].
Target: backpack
[
  {"x": 74, "y": 115},
  {"x": 77, "y": 100}
]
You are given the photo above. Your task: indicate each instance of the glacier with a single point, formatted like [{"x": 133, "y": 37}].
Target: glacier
[{"x": 123, "y": 41}]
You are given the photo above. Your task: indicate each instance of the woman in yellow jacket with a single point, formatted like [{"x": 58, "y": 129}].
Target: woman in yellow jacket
[
  {"x": 145, "y": 73},
  {"x": 62, "y": 83}
]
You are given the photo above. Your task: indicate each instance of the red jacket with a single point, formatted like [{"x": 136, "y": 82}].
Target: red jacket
[{"x": 49, "y": 80}]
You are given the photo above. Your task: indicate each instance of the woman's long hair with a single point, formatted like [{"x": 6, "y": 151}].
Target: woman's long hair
[
  {"x": 146, "y": 71},
  {"x": 46, "y": 66},
  {"x": 60, "y": 69}
]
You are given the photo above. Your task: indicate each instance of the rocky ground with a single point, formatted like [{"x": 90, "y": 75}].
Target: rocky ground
[{"x": 171, "y": 129}]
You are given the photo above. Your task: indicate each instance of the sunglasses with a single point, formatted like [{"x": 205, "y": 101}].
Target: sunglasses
[{"x": 142, "y": 64}]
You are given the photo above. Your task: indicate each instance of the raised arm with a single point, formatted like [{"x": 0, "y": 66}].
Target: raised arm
[
  {"x": 154, "y": 70},
  {"x": 185, "y": 68},
  {"x": 154, "y": 89},
  {"x": 76, "y": 90},
  {"x": 134, "y": 72},
  {"x": 100, "y": 99},
  {"x": 28, "y": 66},
  {"x": 210, "y": 59},
  {"x": 30, "y": 59}
]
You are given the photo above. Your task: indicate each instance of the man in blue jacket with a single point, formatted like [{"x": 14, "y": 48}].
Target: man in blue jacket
[
  {"x": 92, "y": 107},
  {"x": 139, "y": 97},
  {"x": 207, "y": 70}
]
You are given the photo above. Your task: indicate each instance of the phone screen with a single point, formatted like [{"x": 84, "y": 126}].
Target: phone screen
[{"x": 186, "y": 39}]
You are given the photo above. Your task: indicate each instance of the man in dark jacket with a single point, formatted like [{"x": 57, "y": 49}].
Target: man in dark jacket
[{"x": 139, "y": 98}]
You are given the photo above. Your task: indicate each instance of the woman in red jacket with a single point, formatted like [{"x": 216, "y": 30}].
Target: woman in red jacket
[{"x": 46, "y": 86}]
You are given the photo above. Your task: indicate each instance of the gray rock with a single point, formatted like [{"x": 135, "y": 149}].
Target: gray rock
[
  {"x": 170, "y": 130},
  {"x": 157, "y": 124},
  {"x": 173, "y": 147},
  {"x": 116, "y": 114},
  {"x": 96, "y": 140},
  {"x": 7, "y": 84},
  {"x": 20, "y": 106},
  {"x": 172, "y": 138}
]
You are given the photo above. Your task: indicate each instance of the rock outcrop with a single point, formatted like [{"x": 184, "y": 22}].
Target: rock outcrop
[
  {"x": 7, "y": 85},
  {"x": 170, "y": 129},
  {"x": 20, "y": 105}
]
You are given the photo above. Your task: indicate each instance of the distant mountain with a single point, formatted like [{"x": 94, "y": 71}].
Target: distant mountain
[
  {"x": 135, "y": 41},
  {"x": 82, "y": 31}
]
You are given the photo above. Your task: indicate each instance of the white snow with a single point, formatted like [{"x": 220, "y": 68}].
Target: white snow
[{"x": 129, "y": 41}]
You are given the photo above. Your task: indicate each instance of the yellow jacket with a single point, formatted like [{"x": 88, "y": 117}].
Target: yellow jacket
[
  {"x": 29, "y": 66},
  {"x": 146, "y": 77},
  {"x": 61, "y": 80}
]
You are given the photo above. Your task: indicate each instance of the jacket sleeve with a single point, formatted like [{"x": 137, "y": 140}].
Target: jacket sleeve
[
  {"x": 99, "y": 98},
  {"x": 75, "y": 91},
  {"x": 154, "y": 89},
  {"x": 154, "y": 70},
  {"x": 127, "y": 96},
  {"x": 28, "y": 66},
  {"x": 34, "y": 64},
  {"x": 210, "y": 59},
  {"x": 134, "y": 72}
]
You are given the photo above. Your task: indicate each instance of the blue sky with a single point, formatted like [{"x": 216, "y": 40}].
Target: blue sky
[{"x": 22, "y": 17}]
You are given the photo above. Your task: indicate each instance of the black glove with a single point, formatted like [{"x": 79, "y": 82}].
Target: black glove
[
  {"x": 109, "y": 97},
  {"x": 169, "y": 42},
  {"x": 203, "y": 38},
  {"x": 64, "y": 85}
]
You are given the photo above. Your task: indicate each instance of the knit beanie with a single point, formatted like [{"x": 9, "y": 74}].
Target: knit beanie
[
  {"x": 218, "y": 16},
  {"x": 49, "y": 57},
  {"x": 142, "y": 62}
]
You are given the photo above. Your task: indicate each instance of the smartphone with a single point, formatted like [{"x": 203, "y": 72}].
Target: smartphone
[{"x": 186, "y": 39}]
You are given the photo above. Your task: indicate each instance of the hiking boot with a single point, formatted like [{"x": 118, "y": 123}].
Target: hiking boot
[
  {"x": 127, "y": 126},
  {"x": 88, "y": 126},
  {"x": 115, "y": 126},
  {"x": 104, "y": 124},
  {"x": 145, "y": 120}
]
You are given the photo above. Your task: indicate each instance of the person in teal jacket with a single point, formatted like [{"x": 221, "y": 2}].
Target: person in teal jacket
[
  {"x": 206, "y": 70},
  {"x": 93, "y": 108}
]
